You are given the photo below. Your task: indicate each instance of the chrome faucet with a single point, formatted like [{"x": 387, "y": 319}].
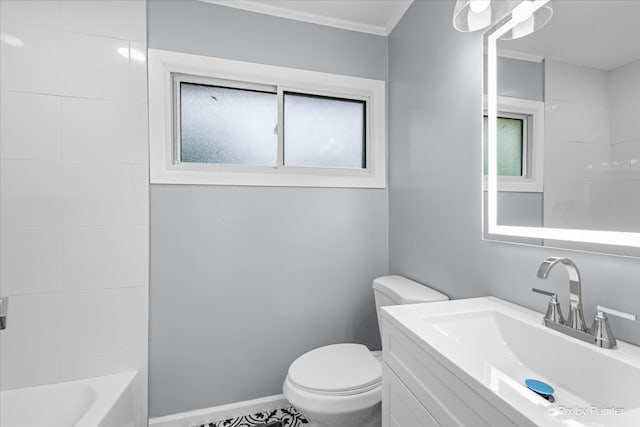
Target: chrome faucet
[
  {"x": 576, "y": 317},
  {"x": 600, "y": 332}
]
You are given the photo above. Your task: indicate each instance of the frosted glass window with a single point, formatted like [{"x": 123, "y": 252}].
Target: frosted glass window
[
  {"x": 510, "y": 146},
  {"x": 324, "y": 132},
  {"x": 226, "y": 125}
]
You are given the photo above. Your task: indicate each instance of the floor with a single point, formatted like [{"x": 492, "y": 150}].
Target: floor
[{"x": 284, "y": 417}]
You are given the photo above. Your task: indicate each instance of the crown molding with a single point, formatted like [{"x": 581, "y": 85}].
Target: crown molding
[
  {"x": 314, "y": 18},
  {"x": 520, "y": 55},
  {"x": 397, "y": 17}
]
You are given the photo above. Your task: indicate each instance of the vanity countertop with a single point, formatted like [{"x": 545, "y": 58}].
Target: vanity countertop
[{"x": 494, "y": 346}]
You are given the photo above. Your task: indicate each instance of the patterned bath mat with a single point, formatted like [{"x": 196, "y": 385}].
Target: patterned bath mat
[{"x": 285, "y": 417}]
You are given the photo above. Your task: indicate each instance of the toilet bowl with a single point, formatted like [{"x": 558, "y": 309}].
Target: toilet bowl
[{"x": 340, "y": 385}]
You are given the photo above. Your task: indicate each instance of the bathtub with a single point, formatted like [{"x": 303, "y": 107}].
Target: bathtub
[{"x": 95, "y": 402}]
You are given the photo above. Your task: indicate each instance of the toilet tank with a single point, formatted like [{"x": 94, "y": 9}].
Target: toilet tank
[{"x": 397, "y": 290}]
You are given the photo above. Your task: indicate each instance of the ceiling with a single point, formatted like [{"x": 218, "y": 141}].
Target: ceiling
[
  {"x": 603, "y": 34},
  {"x": 368, "y": 16}
]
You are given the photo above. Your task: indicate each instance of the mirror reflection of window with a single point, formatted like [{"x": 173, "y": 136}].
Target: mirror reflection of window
[
  {"x": 511, "y": 145},
  {"x": 589, "y": 84}
]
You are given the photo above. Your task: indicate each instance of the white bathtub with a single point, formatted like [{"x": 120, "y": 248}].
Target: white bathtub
[{"x": 95, "y": 402}]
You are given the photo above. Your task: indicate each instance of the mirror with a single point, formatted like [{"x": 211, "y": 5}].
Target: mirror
[{"x": 562, "y": 129}]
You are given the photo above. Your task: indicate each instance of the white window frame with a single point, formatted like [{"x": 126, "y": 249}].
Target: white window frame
[
  {"x": 165, "y": 66},
  {"x": 532, "y": 180}
]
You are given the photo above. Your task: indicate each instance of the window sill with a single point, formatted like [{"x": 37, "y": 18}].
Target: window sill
[
  {"x": 270, "y": 177},
  {"x": 516, "y": 185}
]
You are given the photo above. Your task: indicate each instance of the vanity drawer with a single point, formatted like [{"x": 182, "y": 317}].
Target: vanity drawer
[
  {"x": 399, "y": 407},
  {"x": 449, "y": 400}
]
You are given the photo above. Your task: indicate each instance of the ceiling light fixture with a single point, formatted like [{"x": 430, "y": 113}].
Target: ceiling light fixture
[
  {"x": 529, "y": 20},
  {"x": 478, "y": 6},
  {"x": 474, "y": 15}
]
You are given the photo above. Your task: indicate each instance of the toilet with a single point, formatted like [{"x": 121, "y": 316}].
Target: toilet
[{"x": 340, "y": 385}]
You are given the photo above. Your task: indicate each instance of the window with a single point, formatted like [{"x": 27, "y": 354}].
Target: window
[
  {"x": 324, "y": 132},
  {"x": 226, "y": 125},
  {"x": 520, "y": 144},
  {"x": 513, "y": 136},
  {"x": 215, "y": 121}
]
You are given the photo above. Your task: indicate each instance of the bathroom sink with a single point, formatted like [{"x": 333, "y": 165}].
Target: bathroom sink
[{"x": 493, "y": 346}]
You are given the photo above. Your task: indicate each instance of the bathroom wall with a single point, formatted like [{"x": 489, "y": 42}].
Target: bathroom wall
[
  {"x": 246, "y": 279},
  {"x": 525, "y": 80},
  {"x": 517, "y": 78},
  {"x": 74, "y": 192},
  {"x": 624, "y": 101},
  {"x": 624, "y": 86},
  {"x": 592, "y": 155},
  {"x": 624, "y": 137},
  {"x": 435, "y": 87},
  {"x": 577, "y": 131}
]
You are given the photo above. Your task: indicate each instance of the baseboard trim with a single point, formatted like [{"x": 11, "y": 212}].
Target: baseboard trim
[{"x": 223, "y": 412}]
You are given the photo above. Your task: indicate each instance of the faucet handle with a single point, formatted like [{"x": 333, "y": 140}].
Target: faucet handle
[
  {"x": 602, "y": 310},
  {"x": 543, "y": 292},
  {"x": 601, "y": 330},
  {"x": 554, "y": 313}
]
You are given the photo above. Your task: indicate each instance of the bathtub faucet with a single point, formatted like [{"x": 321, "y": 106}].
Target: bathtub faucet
[{"x": 4, "y": 305}]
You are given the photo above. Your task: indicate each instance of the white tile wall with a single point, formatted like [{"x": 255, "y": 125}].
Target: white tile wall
[
  {"x": 104, "y": 257},
  {"x": 30, "y": 374},
  {"x": 31, "y": 126},
  {"x": 31, "y": 260},
  {"x": 577, "y": 121},
  {"x": 577, "y": 141},
  {"x": 66, "y": 64},
  {"x": 567, "y": 161},
  {"x": 625, "y": 141},
  {"x": 86, "y": 365},
  {"x": 568, "y": 82},
  {"x": 625, "y": 116},
  {"x": 116, "y": 18},
  {"x": 140, "y": 194},
  {"x": 101, "y": 321},
  {"x": 138, "y": 73},
  {"x": 37, "y": 193},
  {"x": 97, "y": 130},
  {"x": 74, "y": 191},
  {"x": 592, "y": 152},
  {"x": 33, "y": 330}
]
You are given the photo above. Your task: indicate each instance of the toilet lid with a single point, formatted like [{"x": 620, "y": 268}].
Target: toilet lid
[{"x": 338, "y": 368}]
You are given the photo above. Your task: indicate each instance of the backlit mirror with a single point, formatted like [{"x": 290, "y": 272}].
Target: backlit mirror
[{"x": 562, "y": 129}]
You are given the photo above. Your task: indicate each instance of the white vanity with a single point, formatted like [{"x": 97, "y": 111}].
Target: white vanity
[{"x": 464, "y": 363}]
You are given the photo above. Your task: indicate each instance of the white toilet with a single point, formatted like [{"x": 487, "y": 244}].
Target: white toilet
[{"x": 340, "y": 385}]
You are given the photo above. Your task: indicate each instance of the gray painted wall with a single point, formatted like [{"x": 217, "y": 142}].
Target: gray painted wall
[
  {"x": 435, "y": 86},
  {"x": 245, "y": 279},
  {"x": 516, "y": 209},
  {"x": 200, "y": 28},
  {"x": 518, "y": 78},
  {"x": 525, "y": 80}
]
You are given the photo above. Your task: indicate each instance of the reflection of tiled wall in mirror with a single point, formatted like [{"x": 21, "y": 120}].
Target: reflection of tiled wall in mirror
[
  {"x": 592, "y": 175},
  {"x": 624, "y": 84}
]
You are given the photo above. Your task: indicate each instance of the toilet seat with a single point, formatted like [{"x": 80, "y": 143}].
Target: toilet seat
[{"x": 336, "y": 370}]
